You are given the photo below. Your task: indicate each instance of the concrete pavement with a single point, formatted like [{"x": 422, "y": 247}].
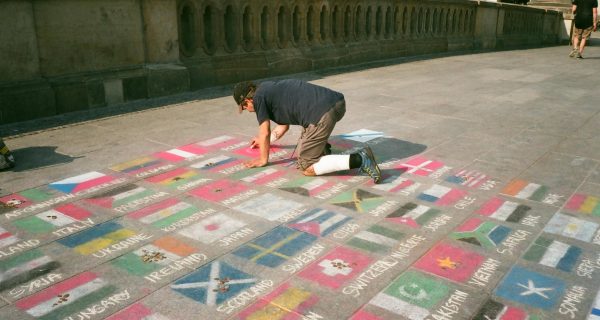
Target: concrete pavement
[{"x": 490, "y": 205}]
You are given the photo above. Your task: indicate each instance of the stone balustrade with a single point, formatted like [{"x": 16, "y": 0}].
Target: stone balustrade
[{"x": 63, "y": 56}]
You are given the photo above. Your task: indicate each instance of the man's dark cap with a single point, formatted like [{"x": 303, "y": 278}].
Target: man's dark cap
[{"x": 242, "y": 91}]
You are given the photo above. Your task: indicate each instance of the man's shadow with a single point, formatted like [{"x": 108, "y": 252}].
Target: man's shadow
[{"x": 38, "y": 157}]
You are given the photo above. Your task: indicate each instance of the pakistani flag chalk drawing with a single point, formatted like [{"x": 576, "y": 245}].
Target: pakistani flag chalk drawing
[{"x": 412, "y": 295}]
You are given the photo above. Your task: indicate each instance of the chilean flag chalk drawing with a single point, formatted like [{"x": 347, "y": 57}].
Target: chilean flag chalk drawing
[{"x": 81, "y": 182}]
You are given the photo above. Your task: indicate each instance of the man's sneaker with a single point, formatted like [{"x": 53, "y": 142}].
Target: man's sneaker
[
  {"x": 579, "y": 56},
  {"x": 369, "y": 165},
  {"x": 573, "y": 53}
]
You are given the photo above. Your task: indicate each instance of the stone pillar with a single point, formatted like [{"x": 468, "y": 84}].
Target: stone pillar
[{"x": 486, "y": 26}]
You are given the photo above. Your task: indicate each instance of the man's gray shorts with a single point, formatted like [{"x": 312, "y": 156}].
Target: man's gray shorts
[{"x": 313, "y": 139}]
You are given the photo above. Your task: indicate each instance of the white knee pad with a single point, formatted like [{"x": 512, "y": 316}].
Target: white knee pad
[{"x": 332, "y": 163}]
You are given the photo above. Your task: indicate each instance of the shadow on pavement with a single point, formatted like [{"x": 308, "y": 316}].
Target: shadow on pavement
[{"x": 37, "y": 157}]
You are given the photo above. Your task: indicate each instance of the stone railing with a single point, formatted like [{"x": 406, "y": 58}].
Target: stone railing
[{"x": 64, "y": 56}]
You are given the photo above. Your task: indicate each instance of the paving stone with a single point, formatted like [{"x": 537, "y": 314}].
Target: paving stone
[{"x": 486, "y": 208}]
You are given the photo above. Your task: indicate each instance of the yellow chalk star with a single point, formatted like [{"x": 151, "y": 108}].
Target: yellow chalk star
[{"x": 447, "y": 263}]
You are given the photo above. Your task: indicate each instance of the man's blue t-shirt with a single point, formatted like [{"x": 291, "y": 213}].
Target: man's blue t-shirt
[{"x": 293, "y": 102}]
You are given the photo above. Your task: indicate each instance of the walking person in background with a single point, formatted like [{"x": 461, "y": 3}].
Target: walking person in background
[
  {"x": 6, "y": 158},
  {"x": 586, "y": 13},
  {"x": 317, "y": 109}
]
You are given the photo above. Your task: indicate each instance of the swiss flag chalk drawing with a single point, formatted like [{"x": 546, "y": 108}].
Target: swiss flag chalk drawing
[{"x": 336, "y": 268}]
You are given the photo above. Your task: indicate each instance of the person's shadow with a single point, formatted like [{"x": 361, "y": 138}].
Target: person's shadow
[{"x": 38, "y": 157}]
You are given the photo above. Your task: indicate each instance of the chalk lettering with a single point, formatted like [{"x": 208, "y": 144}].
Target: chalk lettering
[
  {"x": 571, "y": 301},
  {"x": 531, "y": 221},
  {"x": 293, "y": 214},
  {"x": 277, "y": 182},
  {"x": 383, "y": 208},
  {"x": 410, "y": 189},
  {"x": 155, "y": 170},
  {"x": 451, "y": 307},
  {"x": 337, "y": 188},
  {"x": 405, "y": 247},
  {"x": 440, "y": 172},
  {"x": 465, "y": 202},
  {"x": 74, "y": 227},
  {"x": 232, "y": 238},
  {"x": 438, "y": 222},
  {"x": 186, "y": 221},
  {"x": 192, "y": 184},
  {"x": 239, "y": 197},
  {"x": 138, "y": 202},
  {"x": 346, "y": 230},
  {"x": 191, "y": 261},
  {"x": 373, "y": 272},
  {"x": 19, "y": 247},
  {"x": 245, "y": 296},
  {"x": 304, "y": 258},
  {"x": 513, "y": 241},
  {"x": 36, "y": 284},
  {"x": 482, "y": 276},
  {"x": 121, "y": 245},
  {"x": 102, "y": 306},
  {"x": 39, "y": 206}
]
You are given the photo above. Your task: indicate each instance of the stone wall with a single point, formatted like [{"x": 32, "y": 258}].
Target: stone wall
[{"x": 61, "y": 56}]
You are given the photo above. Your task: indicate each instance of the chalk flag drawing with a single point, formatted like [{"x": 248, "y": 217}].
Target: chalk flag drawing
[
  {"x": 568, "y": 226},
  {"x": 531, "y": 288},
  {"x": 285, "y": 302},
  {"x": 336, "y": 267},
  {"x": 214, "y": 283},
  {"x": 413, "y": 215},
  {"x": 450, "y": 262},
  {"x": 81, "y": 182},
  {"x": 187, "y": 152},
  {"x": 96, "y": 238},
  {"x": 275, "y": 247},
  {"x": 269, "y": 206},
  {"x": 51, "y": 220},
  {"x": 25, "y": 267},
  {"x": 319, "y": 222},
  {"x": 23, "y": 199},
  {"x": 137, "y": 311},
  {"x": 553, "y": 253},
  {"x": 583, "y": 203},
  {"x": 503, "y": 210},
  {"x": 411, "y": 295},
  {"x": 481, "y": 233},
  {"x": 154, "y": 256},
  {"x": 67, "y": 297}
]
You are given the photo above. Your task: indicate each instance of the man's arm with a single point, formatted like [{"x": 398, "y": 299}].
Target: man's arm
[
  {"x": 262, "y": 139},
  {"x": 573, "y": 9},
  {"x": 279, "y": 131},
  {"x": 595, "y": 14}
]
